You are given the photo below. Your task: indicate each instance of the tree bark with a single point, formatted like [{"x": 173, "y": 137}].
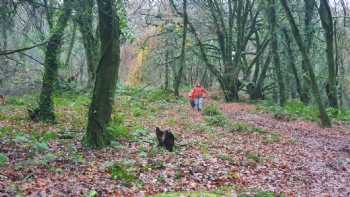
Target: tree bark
[
  {"x": 106, "y": 76},
  {"x": 327, "y": 24},
  {"x": 45, "y": 111},
  {"x": 90, "y": 42},
  {"x": 179, "y": 73},
  {"x": 291, "y": 61},
  {"x": 275, "y": 53},
  {"x": 71, "y": 45},
  {"x": 308, "y": 35}
]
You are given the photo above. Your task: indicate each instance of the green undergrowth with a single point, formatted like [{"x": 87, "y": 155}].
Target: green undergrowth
[
  {"x": 225, "y": 191},
  {"x": 241, "y": 127},
  {"x": 123, "y": 172},
  {"x": 214, "y": 117},
  {"x": 296, "y": 109}
]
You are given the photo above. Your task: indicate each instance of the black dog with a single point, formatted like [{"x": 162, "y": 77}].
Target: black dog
[{"x": 165, "y": 139}]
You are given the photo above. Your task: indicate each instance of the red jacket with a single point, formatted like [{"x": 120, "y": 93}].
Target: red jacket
[{"x": 197, "y": 92}]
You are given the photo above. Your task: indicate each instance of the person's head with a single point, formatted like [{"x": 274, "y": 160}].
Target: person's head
[{"x": 198, "y": 84}]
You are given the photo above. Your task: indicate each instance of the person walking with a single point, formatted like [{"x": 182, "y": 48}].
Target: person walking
[{"x": 198, "y": 94}]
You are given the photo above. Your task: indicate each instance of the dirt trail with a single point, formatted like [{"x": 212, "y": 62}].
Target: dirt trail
[{"x": 320, "y": 159}]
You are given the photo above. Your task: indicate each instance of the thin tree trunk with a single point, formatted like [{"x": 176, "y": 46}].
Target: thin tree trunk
[
  {"x": 179, "y": 73},
  {"x": 308, "y": 32},
  {"x": 90, "y": 42},
  {"x": 275, "y": 52},
  {"x": 106, "y": 76},
  {"x": 166, "y": 83},
  {"x": 327, "y": 24},
  {"x": 325, "y": 120},
  {"x": 257, "y": 92},
  {"x": 291, "y": 61},
  {"x": 71, "y": 45},
  {"x": 45, "y": 111}
]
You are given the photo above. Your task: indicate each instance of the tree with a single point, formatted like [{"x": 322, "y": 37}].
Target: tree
[
  {"x": 327, "y": 24},
  {"x": 45, "y": 111},
  {"x": 106, "y": 76},
  {"x": 274, "y": 51},
  {"x": 179, "y": 73},
  {"x": 325, "y": 120},
  {"x": 85, "y": 20}
]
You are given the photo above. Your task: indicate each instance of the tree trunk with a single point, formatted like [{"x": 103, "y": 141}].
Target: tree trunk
[
  {"x": 257, "y": 92},
  {"x": 45, "y": 111},
  {"x": 85, "y": 21},
  {"x": 275, "y": 52},
  {"x": 106, "y": 76},
  {"x": 327, "y": 24},
  {"x": 167, "y": 70},
  {"x": 71, "y": 45},
  {"x": 179, "y": 73},
  {"x": 308, "y": 32},
  {"x": 325, "y": 120},
  {"x": 291, "y": 61}
]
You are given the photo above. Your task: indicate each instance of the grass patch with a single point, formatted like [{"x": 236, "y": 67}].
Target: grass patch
[
  {"x": 245, "y": 128},
  {"x": 122, "y": 172},
  {"x": 271, "y": 138},
  {"x": 116, "y": 128},
  {"x": 20, "y": 100},
  {"x": 221, "y": 191},
  {"x": 217, "y": 121},
  {"x": 253, "y": 157}
]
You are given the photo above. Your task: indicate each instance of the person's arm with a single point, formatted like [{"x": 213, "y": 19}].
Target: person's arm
[{"x": 190, "y": 94}]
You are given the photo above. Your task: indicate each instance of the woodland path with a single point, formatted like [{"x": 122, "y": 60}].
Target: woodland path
[{"x": 317, "y": 163}]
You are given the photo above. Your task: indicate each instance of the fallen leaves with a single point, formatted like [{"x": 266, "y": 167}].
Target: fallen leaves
[{"x": 296, "y": 158}]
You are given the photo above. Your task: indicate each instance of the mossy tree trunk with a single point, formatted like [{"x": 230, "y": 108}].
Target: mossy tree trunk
[
  {"x": 106, "y": 76},
  {"x": 45, "y": 111},
  {"x": 325, "y": 120},
  {"x": 274, "y": 51},
  {"x": 291, "y": 61},
  {"x": 179, "y": 73},
  {"x": 90, "y": 42},
  {"x": 309, "y": 10},
  {"x": 327, "y": 24}
]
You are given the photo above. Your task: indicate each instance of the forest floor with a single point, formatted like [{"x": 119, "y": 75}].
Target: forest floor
[{"x": 239, "y": 151}]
